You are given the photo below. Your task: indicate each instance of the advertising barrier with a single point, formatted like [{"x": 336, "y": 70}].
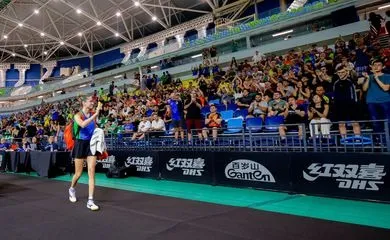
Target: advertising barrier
[
  {"x": 187, "y": 166},
  {"x": 265, "y": 170},
  {"x": 361, "y": 176},
  {"x": 13, "y": 162},
  {"x": 3, "y": 161},
  {"x": 140, "y": 164}
]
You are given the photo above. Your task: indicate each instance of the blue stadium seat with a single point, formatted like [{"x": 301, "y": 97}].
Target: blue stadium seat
[
  {"x": 169, "y": 129},
  {"x": 234, "y": 125},
  {"x": 254, "y": 124},
  {"x": 272, "y": 123},
  {"x": 241, "y": 113},
  {"x": 232, "y": 106},
  {"x": 356, "y": 141},
  {"x": 215, "y": 101},
  {"x": 226, "y": 115},
  {"x": 220, "y": 107},
  {"x": 205, "y": 110}
]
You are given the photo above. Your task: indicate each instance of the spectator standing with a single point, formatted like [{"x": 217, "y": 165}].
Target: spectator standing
[
  {"x": 256, "y": 58},
  {"x": 175, "y": 106},
  {"x": 111, "y": 89},
  {"x": 193, "y": 116},
  {"x": 346, "y": 102},
  {"x": 377, "y": 86}
]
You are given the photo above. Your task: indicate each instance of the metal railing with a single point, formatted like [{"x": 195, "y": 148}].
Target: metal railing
[
  {"x": 266, "y": 139},
  {"x": 247, "y": 139}
]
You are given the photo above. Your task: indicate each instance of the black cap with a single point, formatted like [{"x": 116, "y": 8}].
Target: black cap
[{"x": 376, "y": 60}]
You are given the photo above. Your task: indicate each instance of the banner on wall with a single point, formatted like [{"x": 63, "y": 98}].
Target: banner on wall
[
  {"x": 257, "y": 170},
  {"x": 187, "y": 166},
  {"x": 139, "y": 163},
  {"x": 362, "y": 176}
]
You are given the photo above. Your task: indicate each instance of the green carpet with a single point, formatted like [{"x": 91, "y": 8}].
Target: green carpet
[{"x": 347, "y": 211}]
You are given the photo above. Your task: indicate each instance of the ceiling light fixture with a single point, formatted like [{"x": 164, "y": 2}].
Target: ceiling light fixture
[
  {"x": 118, "y": 14},
  {"x": 99, "y": 23},
  {"x": 62, "y": 43},
  {"x": 196, "y": 56},
  {"x": 13, "y": 54},
  {"x": 282, "y": 33},
  {"x": 36, "y": 11},
  {"x": 5, "y": 36},
  {"x": 45, "y": 53},
  {"x": 116, "y": 34},
  {"x": 25, "y": 45},
  {"x": 136, "y": 3},
  {"x": 154, "y": 18},
  {"x": 20, "y": 24},
  {"x": 79, "y": 34},
  {"x": 383, "y": 7},
  {"x": 42, "y": 34},
  {"x": 78, "y": 11}
]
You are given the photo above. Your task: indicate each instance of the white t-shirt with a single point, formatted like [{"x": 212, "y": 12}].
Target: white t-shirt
[
  {"x": 256, "y": 58},
  {"x": 144, "y": 126},
  {"x": 159, "y": 124}
]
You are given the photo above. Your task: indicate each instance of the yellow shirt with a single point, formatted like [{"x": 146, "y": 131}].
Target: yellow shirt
[{"x": 226, "y": 85}]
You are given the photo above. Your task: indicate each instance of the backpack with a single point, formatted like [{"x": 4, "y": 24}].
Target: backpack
[{"x": 70, "y": 133}]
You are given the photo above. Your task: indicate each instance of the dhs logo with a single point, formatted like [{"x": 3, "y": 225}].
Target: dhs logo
[
  {"x": 349, "y": 176},
  {"x": 248, "y": 170},
  {"x": 143, "y": 164},
  {"x": 106, "y": 163},
  {"x": 189, "y": 166}
]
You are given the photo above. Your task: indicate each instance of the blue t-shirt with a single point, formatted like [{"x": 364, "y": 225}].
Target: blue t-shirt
[
  {"x": 375, "y": 93},
  {"x": 4, "y": 146},
  {"x": 129, "y": 127},
  {"x": 55, "y": 116},
  {"x": 177, "y": 109}
]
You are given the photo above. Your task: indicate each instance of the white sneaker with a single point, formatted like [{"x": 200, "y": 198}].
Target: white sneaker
[
  {"x": 91, "y": 205},
  {"x": 72, "y": 195}
]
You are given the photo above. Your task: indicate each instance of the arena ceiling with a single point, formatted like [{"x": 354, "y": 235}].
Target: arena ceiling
[{"x": 39, "y": 30}]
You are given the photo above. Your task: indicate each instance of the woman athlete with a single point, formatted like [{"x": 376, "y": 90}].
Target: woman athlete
[{"x": 84, "y": 125}]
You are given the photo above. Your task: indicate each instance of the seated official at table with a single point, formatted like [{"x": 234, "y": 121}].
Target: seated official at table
[
  {"x": 4, "y": 146},
  {"x": 34, "y": 145},
  {"x": 26, "y": 146},
  {"x": 51, "y": 146}
]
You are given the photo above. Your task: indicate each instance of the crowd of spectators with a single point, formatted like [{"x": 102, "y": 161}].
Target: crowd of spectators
[{"x": 308, "y": 88}]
